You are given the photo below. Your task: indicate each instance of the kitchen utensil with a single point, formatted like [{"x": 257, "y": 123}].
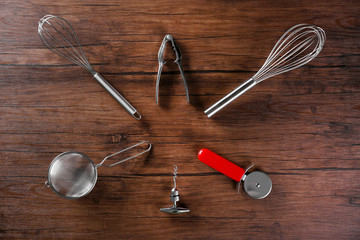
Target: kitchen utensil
[
  {"x": 257, "y": 184},
  {"x": 296, "y": 47},
  {"x": 174, "y": 197},
  {"x": 167, "y": 38},
  {"x": 58, "y": 35},
  {"x": 73, "y": 175}
]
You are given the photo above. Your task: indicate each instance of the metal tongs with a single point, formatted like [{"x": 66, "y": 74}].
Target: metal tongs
[{"x": 169, "y": 37}]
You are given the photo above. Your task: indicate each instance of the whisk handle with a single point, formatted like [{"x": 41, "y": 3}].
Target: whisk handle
[
  {"x": 230, "y": 97},
  {"x": 117, "y": 96}
]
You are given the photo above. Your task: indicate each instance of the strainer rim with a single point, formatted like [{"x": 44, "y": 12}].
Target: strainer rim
[{"x": 56, "y": 159}]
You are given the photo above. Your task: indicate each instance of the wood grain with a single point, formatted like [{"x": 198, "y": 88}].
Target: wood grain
[{"x": 301, "y": 127}]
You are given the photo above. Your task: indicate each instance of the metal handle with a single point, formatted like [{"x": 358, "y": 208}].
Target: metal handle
[
  {"x": 124, "y": 150},
  {"x": 230, "y": 97},
  {"x": 47, "y": 184},
  {"x": 243, "y": 178},
  {"x": 117, "y": 96}
]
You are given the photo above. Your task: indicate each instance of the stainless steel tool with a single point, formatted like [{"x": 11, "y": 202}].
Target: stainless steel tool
[
  {"x": 73, "y": 175},
  {"x": 174, "y": 197},
  {"x": 167, "y": 38},
  {"x": 257, "y": 184},
  {"x": 58, "y": 35},
  {"x": 296, "y": 47}
]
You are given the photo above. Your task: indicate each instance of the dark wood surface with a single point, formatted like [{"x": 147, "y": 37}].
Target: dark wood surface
[{"x": 302, "y": 127}]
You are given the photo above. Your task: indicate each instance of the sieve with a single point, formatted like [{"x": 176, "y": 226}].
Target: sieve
[{"x": 73, "y": 175}]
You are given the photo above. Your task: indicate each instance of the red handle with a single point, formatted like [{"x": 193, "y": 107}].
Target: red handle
[{"x": 221, "y": 164}]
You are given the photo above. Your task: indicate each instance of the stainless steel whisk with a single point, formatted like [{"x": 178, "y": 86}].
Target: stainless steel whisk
[
  {"x": 296, "y": 47},
  {"x": 58, "y": 35}
]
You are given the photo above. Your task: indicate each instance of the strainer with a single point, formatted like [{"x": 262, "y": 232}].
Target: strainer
[{"x": 73, "y": 175}]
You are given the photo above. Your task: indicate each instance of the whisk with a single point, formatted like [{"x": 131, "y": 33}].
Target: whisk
[
  {"x": 58, "y": 35},
  {"x": 296, "y": 47}
]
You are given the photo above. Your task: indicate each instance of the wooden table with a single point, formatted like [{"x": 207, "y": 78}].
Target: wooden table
[{"x": 301, "y": 127}]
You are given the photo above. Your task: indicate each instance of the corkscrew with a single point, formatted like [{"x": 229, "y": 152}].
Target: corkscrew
[{"x": 174, "y": 197}]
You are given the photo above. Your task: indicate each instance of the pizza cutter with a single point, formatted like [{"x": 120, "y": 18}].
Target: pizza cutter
[{"x": 257, "y": 184}]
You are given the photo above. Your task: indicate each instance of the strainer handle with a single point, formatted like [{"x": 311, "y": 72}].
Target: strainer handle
[{"x": 124, "y": 150}]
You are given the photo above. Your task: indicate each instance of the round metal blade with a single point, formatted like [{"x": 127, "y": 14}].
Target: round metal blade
[{"x": 257, "y": 185}]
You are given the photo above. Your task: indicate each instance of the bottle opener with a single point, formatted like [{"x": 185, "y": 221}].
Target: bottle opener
[{"x": 257, "y": 184}]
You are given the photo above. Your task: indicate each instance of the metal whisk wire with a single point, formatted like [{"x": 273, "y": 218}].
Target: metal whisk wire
[
  {"x": 306, "y": 36},
  {"x": 65, "y": 43},
  {"x": 296, "y": 47},
  {"x": 57, "y": 35}
]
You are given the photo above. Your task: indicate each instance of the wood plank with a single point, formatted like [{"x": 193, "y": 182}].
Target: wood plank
[{"x": 300, "y": 127}]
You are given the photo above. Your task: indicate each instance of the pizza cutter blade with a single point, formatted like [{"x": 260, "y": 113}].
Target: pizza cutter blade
[{"x": 257, "y": 184}]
